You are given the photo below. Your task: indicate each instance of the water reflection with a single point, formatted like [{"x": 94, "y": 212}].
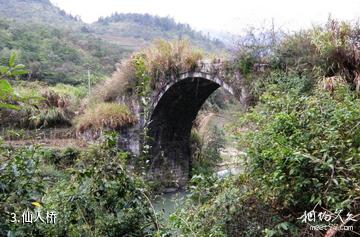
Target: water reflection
[{"x": 167, "y": 203}]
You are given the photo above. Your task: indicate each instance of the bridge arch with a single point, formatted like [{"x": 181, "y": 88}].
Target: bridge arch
[{"x": 172, "y": 113}]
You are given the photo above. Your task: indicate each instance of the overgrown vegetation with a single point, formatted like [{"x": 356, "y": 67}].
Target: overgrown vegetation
[
  {"x": 301, "y": 140},
  {"x": 92, "y": 195},
  {"x": 322, "y": 51},
  {"x": 43, "y": 110},
  {"x": 205, "y": 150},
  {"x": 301, "y": 136},
  {"x": 104, "y": 116},
  {"x": 150, "y": 69}
]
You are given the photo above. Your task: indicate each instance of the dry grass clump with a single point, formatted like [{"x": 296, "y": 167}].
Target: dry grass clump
[
  {"x": 162, "y": 60},
  {"x": 166, "y": 58},
  {"x": 331, "y": 83},
  {"x": 52, "y": 112},
  {"x": 104, "y": 115},
  {"x": 48, "y": 109},
  {"x": 121, "y": 80}
]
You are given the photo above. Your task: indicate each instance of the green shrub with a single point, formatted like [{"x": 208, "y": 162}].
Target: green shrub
[
  {"x": 323, "y": 51},
  {"x": 63, "y": 158},
  {"x": 93, "y": 197},
  {"x": 308, "y": 154},
  {"x": 303, "y": 154},
  {"x": 102, "y": 199},
  {"x": 20, "y": 185},
  {"x": 8, "y": 97}
]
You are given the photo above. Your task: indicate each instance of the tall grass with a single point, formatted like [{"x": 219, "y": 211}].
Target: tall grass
[
  {"x": 104, "y": 115},
  {"x": 46, "y": 108},
  {"x": 121, "y": 81},
  {"x": 166, "y": 58}
]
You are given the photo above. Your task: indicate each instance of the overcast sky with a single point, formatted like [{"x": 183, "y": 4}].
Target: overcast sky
[{"x": 222, "y": 15}]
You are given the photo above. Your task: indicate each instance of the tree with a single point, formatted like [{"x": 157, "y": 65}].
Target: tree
[{"x": 7, "y": 93}]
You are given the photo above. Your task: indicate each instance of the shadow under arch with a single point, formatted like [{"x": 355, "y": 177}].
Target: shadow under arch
[{"x": 171, "y": 120}]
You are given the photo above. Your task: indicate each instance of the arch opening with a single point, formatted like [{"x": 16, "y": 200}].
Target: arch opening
[{"x": 170, "y": 128}]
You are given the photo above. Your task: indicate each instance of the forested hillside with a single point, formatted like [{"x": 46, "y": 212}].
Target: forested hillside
[
  {"x": 59, "y": 48},
  {"x": 57, "y": 55},
  {"x": 137, "y": 30}
]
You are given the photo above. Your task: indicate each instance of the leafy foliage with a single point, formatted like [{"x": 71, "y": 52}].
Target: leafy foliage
[
  {"x": 322, "y": 51},
  {"x": 94, "y": 196},
  {"x": 309, "y": 154},
  {"x": 303, "y": 154},
  {"x": 21, "y": 184},
  {"x": 7, "y": 93}
]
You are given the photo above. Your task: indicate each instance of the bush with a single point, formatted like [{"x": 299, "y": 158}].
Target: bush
[
  {"x": 206, "y": 154},
  {"x": 51, "y": 111},
  {"x": 102, "y": 199},
  {"x": 303, "y": 154},
  {"x": 318, "y": 139},
  {"x": 63, "y": 158},
  {"x": 324, "y": 51},
  {"x": 94, "y": 197},
  {"x": 43, "y": 108},
  {"x": 20, "y": 185}
]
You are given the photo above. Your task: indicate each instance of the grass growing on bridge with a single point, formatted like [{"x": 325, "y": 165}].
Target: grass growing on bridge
[{"x": 150, "y": 67}]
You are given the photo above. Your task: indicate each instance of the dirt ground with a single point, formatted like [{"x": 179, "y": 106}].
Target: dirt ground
[{"x": 51, "y": 143}]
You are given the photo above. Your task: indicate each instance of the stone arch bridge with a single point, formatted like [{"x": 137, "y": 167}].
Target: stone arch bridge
[{"x": 174, "y": 107}]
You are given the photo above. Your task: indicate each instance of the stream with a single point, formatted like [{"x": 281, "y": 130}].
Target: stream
[{"x": 166, "y": 203}]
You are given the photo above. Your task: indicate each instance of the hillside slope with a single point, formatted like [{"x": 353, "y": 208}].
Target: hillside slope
[
  {"x": 58, "y": 47},
  {"x": 37, "y": 11},
  {"x": 57, "y": 55},
  {"x": 138, "y": 30}
]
